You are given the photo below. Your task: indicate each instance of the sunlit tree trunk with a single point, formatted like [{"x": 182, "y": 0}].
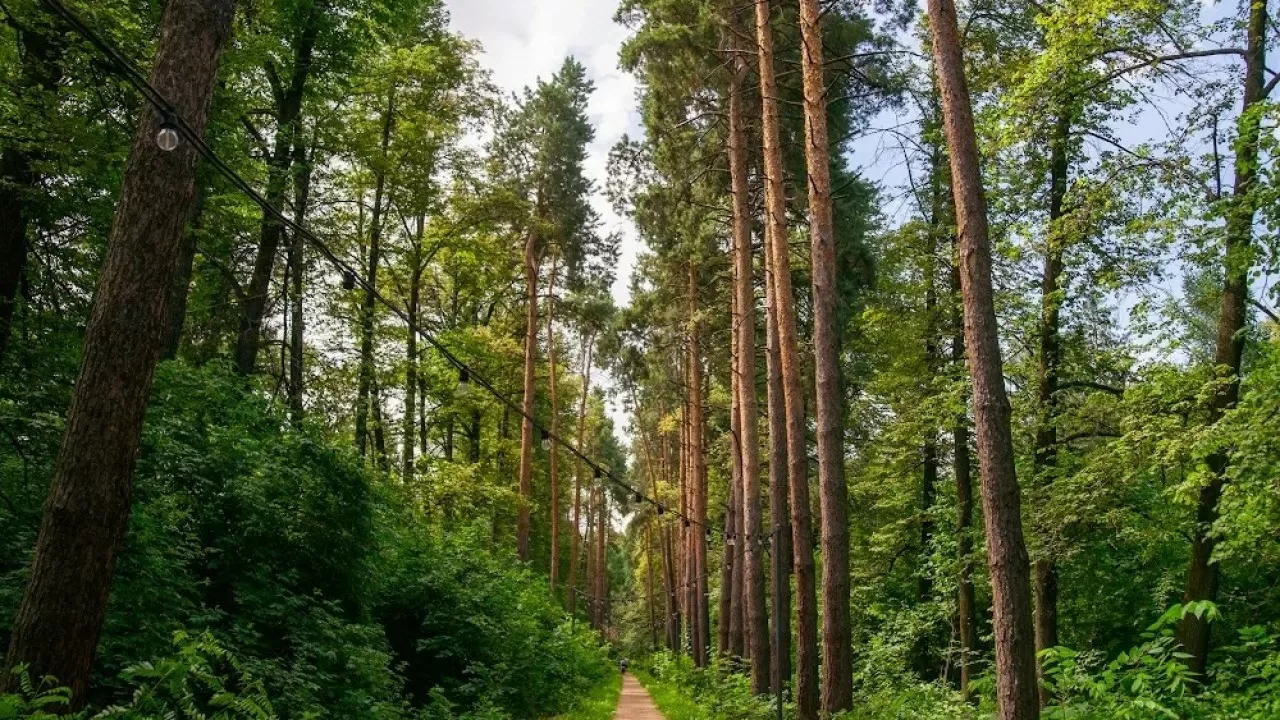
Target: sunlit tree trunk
[
  {"x": 87, "y": 511},
  {"x": 837, "y": 651},
  {"x": 806, "y": 692},
  {"x": 1007, "y": 554}
]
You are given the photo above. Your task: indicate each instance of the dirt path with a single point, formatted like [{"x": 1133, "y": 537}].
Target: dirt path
[{"x": 635, "y": 703}]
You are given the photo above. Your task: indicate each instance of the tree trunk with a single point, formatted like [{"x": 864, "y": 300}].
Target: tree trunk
[
  {"x": 779, "y": 503},
  {"x": 368, "y": 309},
  {"x": 966, "y": 602},
  {"x": 837, "y": 651},
  {"x": 806, "y": 693},
  {"x": 730, "y": 571},
  {"x": 530, "y": 390},
  {"x": 552, "y": 454},
  {"x": 673, "y": 604},
  {"x": 298, "y": 266},
  {"x": 288, "y": 109},
  {"x": 1202, "y": 574},
  {"x": 87, "y": 511},
  {"x": 1046, "y": 448},
  {"x": 602, "y": 559},
  {"x": 579, "y": 468},
  {"x": 41, "y": 72},
  {"x": 182, "y": 272},
  {"x": 648, "y": 566},
  {"x": 411, "y": 348},
  {"x": 756, "y": 613},
  {"x": 698, "y": 465},
  {"x": 1007, "y": 553}
]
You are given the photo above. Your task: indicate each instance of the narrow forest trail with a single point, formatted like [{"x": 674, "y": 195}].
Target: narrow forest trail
[{"x": 634, "y": 703}]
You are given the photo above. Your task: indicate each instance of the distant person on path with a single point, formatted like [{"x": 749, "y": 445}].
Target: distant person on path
[{"x": 623, "y": 664}]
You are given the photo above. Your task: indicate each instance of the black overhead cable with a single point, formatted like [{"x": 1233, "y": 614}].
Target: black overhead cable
[{"x": 350, "y": 276}]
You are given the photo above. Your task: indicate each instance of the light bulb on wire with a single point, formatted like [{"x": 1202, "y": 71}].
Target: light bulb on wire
[
  {"x": 167, "y": 138},
  {"x": 464, "y": 381},
  {"x": 546, "y": 440}
]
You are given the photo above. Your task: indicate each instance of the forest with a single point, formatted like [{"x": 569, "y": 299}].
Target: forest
[{"x": 943, "y": 379}]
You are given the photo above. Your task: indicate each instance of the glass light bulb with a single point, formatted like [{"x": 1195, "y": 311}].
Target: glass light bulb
[
  {"x": 546, "y": 443},
  {"x": 167, "y": 139}
]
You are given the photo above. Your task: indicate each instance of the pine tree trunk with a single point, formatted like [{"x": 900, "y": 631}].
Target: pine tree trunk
[
  {"x": 530, "y": 390},
  {"x": 254, "y": 306},
  {"x": 87, "y": 511},
  {"x": 669, "y": 580},
  {"x": 806, "y": 692},
  {"x": 648, "y": 586},
  {"x": 1009, "y": 565},
  {"x": 966, "y": 603},
  {"x": 602, "y": 559},
  {"x": 730, "y": 573},
  {"x": 837, "y": 651},
  {"x": 552, "y": 454},
  {"x": 698, "y": 460},
  {"x": 579, "y": 468},
  {"x": 1202, "y": 574},
  {"x": 756, "y": 613},
  {"x": 779, "y": 502}
]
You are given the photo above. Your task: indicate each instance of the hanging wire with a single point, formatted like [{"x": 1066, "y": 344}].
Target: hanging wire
[{"x": 350, "y": 277}]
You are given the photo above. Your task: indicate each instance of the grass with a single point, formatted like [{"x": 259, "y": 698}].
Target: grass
[
  {"x": 673, "y": 704},
  {"x": 600, "y": 704}
]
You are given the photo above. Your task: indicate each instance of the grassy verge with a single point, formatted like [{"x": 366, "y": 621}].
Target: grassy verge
[
  {"x": 671, "y": 701},
  {"x": 600, "y": 704}
]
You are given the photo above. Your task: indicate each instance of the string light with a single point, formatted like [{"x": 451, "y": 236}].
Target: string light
[
  {"x": 464, "y": 381},
  {"x": 167, "y": 138},
  {"x": 174, "y": 128}
]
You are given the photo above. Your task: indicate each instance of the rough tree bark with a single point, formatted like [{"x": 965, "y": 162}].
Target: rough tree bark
[
  {"x": 87, "y": 511},
  {"x": 1007, "y": 553},
  {"x": 806, "y": 692},
  {"x": 1202, "y": 574},
  {"x": 837, "y": 650}
]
